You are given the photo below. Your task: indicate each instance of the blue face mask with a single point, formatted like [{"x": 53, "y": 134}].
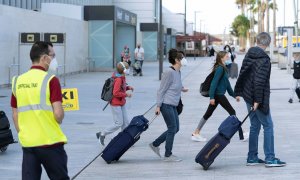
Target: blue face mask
[
  {"x": 227, "y": 62},
  {"x": 297, "y": 61}
]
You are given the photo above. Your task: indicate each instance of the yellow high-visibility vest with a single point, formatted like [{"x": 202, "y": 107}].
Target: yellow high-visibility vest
[{"x": 36, "y": 120}]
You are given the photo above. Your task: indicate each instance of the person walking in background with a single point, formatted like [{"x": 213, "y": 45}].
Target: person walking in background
[
  {"x": 118, "y": 102},
  {"x": 253, "y": 84},
  {"x": 168, "y": 97},
  {"x": 219, "y": 85},
  {"x": 36, "y": 103},
  {"x": 230, "y": 59},
  {"x": 296, "y": 77},
  {"x": 125, "y": 55},
  {"x": 139, "y": 56},
  {"x": 212, "y": 52}
]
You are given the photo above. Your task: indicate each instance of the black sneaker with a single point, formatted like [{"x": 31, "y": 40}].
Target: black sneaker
[{"x": 290, "y": 101}]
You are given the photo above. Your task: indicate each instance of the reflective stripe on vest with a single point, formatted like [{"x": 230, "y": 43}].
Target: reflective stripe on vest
[{"x": 43, "y": 105}]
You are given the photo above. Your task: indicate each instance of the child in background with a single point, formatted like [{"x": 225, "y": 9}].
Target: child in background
[
  {"x": 118, "y": 102},
  {"x": 296, "y": 76}
]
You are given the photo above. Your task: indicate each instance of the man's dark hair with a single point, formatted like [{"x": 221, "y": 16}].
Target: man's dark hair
[
  {"x": 174, "y": 54},
  {"x": 38, "y": 49}
]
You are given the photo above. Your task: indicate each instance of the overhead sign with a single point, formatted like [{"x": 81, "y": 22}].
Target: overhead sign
[
  {"x": 70, "y": 99},
  {"x": 30, "y": 37},
  {"x": 54, "y": 37}
]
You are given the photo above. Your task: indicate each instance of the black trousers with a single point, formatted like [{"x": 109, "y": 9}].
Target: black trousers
[
  {"x": 54, "y": 160},
  {"x": 223, "y": 101}
]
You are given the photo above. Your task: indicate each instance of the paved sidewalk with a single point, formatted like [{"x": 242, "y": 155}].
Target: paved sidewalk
[{"x": 140, "y": 162}]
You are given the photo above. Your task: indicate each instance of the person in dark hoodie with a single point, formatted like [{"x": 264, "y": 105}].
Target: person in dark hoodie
[
  {"x": 118, "y": 102},
  {"x": 253, "y": 84}
]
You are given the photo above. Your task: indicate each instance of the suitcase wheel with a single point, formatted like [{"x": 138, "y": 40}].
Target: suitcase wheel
[
  {"x": 3, "y": 149},
  {"x": 205, "y": 168},
  {"x": 108, "y": 162}
]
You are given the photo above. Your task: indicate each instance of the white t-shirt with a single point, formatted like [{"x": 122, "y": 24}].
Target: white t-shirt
[{"x": 139, "y": 53}]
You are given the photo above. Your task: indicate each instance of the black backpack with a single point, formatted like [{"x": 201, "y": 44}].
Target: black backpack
[
  {"x": 204, "y": 87},
  {"x": 296, "y": 73}
]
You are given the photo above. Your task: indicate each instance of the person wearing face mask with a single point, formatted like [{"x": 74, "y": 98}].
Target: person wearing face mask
[
  {"x": 36, "y": 103},
  {"x": 183, "y": 60},
  {"x": 296, "y": 78},
  {"x": 118, "y": 102},
  {"x": 219, "y": 85},
  {"x": 168, "y": 97},
  {"x": 139, "y": 56}
]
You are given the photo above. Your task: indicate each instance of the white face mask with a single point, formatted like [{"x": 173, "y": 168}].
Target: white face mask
[
  {"x": 126, "y": 71},
  {"x": 53, "y": 65},
  {"x": 183, "y": 62}
]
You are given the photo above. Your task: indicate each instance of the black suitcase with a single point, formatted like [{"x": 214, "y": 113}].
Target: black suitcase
[
  {"x": 298, "y": 92},
  {"x": 217, "y": 143},
  {"x": 125, "y": 139},
  {"x": 6, "y": 136}
]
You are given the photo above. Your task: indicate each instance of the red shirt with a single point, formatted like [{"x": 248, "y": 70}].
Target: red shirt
[
  {"x": 119, "y": 91},
  {"x": 55, "y": 90}
]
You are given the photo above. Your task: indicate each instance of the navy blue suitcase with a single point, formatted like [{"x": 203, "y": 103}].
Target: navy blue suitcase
[
  {"x": 125, "y": 139},
  {"x": 216, "y": 144},
  {"x": 211, "y": 150}
]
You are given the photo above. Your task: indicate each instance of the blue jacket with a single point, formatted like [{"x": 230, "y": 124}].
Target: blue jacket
[{"x": 220, "y": 83}]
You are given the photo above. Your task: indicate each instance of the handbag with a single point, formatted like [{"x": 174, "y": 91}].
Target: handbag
[{"x": 179, "y": 107}]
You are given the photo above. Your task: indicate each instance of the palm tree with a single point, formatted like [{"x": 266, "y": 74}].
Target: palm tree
[
  {"x": 240, "y": 28},
  {"x": 242, "y": 4},
  {"x": 261, "y": 8}
]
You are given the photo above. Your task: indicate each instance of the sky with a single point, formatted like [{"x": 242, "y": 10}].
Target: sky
[{"x": 217, "y": 15}]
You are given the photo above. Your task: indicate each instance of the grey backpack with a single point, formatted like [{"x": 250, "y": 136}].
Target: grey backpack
[{"x": 107, "y": 89}]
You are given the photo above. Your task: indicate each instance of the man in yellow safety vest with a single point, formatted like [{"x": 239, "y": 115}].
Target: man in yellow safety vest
[{"x": 37, "y": 112}]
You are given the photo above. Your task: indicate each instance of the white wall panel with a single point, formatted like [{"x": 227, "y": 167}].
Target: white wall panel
[
  {"x": 19, "y": 20},
  {"x": 144, "y": 9}
]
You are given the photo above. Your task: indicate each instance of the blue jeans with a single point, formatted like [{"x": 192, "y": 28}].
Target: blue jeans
[
  {"x": 258, "y": 118},
  {"x": 170, "y": 115}
]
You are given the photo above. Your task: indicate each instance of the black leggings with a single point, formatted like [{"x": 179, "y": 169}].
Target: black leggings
[{"x": 223, "y": 101}]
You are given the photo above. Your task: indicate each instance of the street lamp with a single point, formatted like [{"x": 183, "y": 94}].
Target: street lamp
[
  {"x": 184, "y": 18},
  {"x": 195, "y": 20}
]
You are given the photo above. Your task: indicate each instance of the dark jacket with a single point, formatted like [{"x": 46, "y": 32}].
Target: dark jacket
[
  {"x": 220, "y": 83},
  {"x": 253, "y": 83},
  {"x": 296, "y": 73}
]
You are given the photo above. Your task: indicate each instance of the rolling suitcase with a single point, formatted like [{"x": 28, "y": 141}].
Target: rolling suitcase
[
  {"x": 298, "y": 92},
  {"x": 6, "y": 136},
  {"x": 217, "y": 143},
  {"x": 125, "y": 139}
]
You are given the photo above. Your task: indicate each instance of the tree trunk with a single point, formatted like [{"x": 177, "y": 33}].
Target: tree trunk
[
  {"x": 268, "y": 15},
  {"x": 258, "y": 18},
  {"x": 274, "y": 21}
]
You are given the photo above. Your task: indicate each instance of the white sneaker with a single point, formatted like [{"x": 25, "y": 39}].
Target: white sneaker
[
  {"x": 198, "y": 138},
  {"x": 172, "y": 158},
  {"x": 246, "y": 136}
]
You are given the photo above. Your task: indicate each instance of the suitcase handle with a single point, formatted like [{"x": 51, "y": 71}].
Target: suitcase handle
[{"x": 251, "y": 110}]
